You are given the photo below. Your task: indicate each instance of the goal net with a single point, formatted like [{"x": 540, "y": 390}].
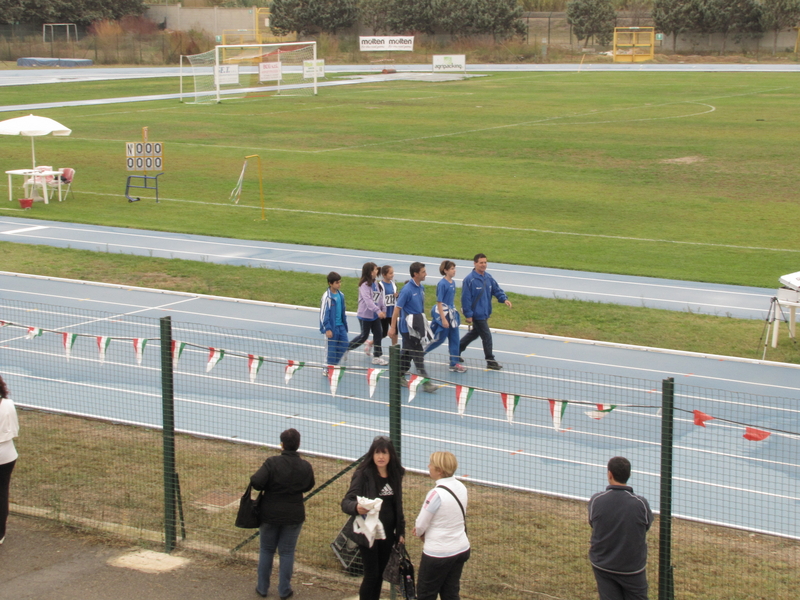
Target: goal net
[{"x": 235, "y": 71}]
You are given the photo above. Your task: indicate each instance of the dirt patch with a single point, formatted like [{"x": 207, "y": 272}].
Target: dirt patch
[{"x": 684, "y": 160}]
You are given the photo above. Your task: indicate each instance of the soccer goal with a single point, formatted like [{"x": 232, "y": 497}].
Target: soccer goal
[{"x": 234, "y": 71}]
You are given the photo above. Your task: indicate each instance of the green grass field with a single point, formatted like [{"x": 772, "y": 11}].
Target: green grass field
[{"x": 679, "y": 175}]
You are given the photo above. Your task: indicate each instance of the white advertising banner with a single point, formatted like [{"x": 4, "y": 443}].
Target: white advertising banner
[
  {"x": 310, "y": 66},
  {"x": 227, "y": 74},
  {"x": 445, "y": 63},
  {"x": 269, "y": 71},
  {"x": 377, "y": 43}
]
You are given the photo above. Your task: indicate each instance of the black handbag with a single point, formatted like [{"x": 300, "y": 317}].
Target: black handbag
[
  {"x": 400, "y": 572},
  {"x": 248, "y": 517}
]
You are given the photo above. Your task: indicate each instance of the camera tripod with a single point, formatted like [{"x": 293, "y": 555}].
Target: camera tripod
[{"x": 775, "y": 314}]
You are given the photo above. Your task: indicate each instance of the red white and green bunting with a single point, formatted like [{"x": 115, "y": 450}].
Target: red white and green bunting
[
  {"x": 138, "y": 346},
  {"x": 557, "y": 410},
  {"x": 177, "y": 349},
  {"x": 33, "y": 332},
  {"x": 292, "y": 367},
  {"x": 214, "y": 356},
  {"x": 463, "y": 394},
  {"x": 102, "y": 345},
  {"x": 68, "y": 340},
  {"x": 414, "y": 381},
  {"x": 510, "y": 402},
  {"x": 755, "y": 435},
  {"x": 602, "y": 411},
  {"x": 700, "y": 418},
  {"x": 335, "y": 374},
  {"x": 253, "y": 365},
  {"x": 372, "y": 379}
]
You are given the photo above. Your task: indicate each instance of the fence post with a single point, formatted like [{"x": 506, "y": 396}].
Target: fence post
[
  {"x": 395, "y": 419},
  {"x": 666, "y": 584},
  {"x": 168, "y": 434}
]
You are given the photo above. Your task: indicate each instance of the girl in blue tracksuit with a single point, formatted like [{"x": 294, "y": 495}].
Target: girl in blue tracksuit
[{"x": 445, "y": 316}]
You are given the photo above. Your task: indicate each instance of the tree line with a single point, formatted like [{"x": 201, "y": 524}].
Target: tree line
[
  {"x": 737, "y": 18},
  {"x": 80, "y": 12},
  {"x": 460, "y": 18}
]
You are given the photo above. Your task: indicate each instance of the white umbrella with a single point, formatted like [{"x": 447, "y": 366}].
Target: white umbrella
[{"x": 32, "y": 126}]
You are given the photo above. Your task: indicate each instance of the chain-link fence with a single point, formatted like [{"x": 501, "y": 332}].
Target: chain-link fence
[{"x": 99, "y": 394}]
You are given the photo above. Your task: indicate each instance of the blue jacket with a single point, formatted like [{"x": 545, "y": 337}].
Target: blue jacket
[
  {"x": 477, "y": 290},
  {"x": 327, "y": 318}
]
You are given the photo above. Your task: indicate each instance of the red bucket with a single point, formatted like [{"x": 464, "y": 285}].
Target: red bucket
[{"x": 26, "y": 202}]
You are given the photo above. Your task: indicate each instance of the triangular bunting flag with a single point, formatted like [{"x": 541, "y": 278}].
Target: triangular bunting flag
[
  {"x": 69, "y": 341},
  {"x": 33, "y": 332},
  {"x": 3, "y": 323},
  {"x": 510, "y": 402},
  {"x": 292, "y": 367},
  {"x": 557, "y": 412},
  {"x": 414, "y": 381},
  {"x": 102, "y": 345},
  {"x": 602, "y": 411},
  {"x": 334, "y": 377},
  {"x": 253, "y": 365},
  {"x": 214, "y": 356},
  {"x": 372, "y": 379},
  {"x": 138, "y": 346},
  {"x": 177, "y": 349},
  {"x": 755, "y": 435},
  {"x": 463, "y": 394},
  {"x": 700, "y": 418}
]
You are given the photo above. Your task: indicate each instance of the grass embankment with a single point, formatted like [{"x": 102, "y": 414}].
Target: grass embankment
[
  {"x": 570, "y": 318},
  {"x": 535, "y": 549}
]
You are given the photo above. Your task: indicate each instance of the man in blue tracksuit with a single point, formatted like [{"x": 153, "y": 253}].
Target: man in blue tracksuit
[
  {"x": 618, "y": 552},
  {"x": 477, "y": 290}
]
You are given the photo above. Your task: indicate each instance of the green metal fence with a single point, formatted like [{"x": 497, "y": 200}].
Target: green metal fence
[{"x": 152, "y": 428}]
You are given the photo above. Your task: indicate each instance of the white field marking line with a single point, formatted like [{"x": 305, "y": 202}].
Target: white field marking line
[
  {"x": 299, "y": 250},
  {"x": 584, "y": 463},
  {"x": 25, "y": 230},
  {"x": 663, "y": 372},
  {"x": 454, "y": 224},
  {"x": 739, "y": 404}
]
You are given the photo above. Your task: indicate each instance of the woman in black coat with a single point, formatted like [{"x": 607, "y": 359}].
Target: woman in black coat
[{"x": 380, "y": 475}]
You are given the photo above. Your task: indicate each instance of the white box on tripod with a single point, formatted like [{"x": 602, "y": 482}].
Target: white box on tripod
[{"x": 787, "y": 295}]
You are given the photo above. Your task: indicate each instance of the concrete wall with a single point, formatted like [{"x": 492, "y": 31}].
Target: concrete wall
[{"x": 211, "y": 19}]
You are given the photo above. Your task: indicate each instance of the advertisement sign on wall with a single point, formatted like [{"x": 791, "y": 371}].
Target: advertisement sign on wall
[
  {"x": 445, "y": 63},
  {"x": 377, "y": 43}
]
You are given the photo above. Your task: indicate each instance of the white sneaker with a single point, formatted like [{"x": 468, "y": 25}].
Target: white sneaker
[
  {"x": 458, "y": 368},
  {"x": 368, "y": 348},
  {"x": 379, "y": 360}
]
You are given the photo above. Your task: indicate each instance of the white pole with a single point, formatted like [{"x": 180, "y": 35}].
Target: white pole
[
  {"x": 315, "y": 67},
  {"x": 180, "y": 99},
  {"x": 33, "y": 153},
  {"x": 216, "y": 70}
]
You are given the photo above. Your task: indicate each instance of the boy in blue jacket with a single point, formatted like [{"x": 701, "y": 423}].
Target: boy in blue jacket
[
  {"x": 477, "y": 290},
  {"x": 333, "y": 319}
]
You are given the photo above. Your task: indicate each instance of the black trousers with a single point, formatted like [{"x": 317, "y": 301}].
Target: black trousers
[
  {"x": 611, "y": 586},
  {"x": 479, "y": 329},
  {"x": 375, "y": 560},
  {"x": 367, "y": 327},
  {"x": 5, "y": 482},
  {"x": 412, "y": 350},
  {"x": 440, "y": 576}
]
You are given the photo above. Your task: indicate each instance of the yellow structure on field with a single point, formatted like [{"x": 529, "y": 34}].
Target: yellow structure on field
[
  {"x": 634, "y": 44},
  {"x": 260, "y": 34}
]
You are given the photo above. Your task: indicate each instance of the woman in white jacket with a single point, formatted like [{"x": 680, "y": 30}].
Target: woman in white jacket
[
  {"x": 442, "y": 525},
  {"x": 9, "y": 428}
]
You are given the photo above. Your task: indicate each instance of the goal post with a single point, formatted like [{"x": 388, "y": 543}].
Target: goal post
[{"x": 236, "y": 70}]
